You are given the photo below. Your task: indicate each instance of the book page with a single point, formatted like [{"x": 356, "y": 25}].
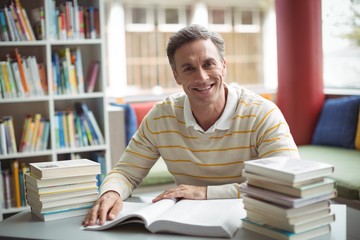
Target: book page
[
  {"x": 219, "y": 218},
  {"x": 141, "y": 212}
]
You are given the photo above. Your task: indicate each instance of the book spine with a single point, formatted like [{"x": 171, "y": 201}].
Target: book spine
[
  {"x": 21, "y": 70},
  {"x": 15, "y": 175},
  {"x": 92, "y": 76},
  {"x": 4, "y": 27}
]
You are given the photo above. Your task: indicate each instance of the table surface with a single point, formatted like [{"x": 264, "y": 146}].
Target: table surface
[{"x": 24, "y": 226}]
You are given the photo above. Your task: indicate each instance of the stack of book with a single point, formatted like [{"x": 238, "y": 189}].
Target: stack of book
[
  {"x": 57, "y": 190},
  {"x": 288, "y": 198}
]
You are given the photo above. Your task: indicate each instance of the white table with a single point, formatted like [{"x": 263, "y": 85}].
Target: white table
[{"x": 23, "y": 225}]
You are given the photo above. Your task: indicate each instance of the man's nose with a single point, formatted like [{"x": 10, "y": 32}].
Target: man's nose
[{"x": 202, "y": 74}]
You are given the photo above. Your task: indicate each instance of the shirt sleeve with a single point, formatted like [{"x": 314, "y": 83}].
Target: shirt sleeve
[
  {"x": 273, "y": 137},
  {"x": 223, "y": 191},
  {"x": 135, "y": 163}
]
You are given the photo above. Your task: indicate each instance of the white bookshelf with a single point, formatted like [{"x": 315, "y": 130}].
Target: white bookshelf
[{"x": 18, "y": 108}]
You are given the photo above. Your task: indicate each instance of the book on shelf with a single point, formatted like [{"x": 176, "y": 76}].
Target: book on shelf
[
  {"x": 7, "y": 136},
  {"x": 288, "y": 169},
  {"x": 13, "y": 184},
  {"x": 295, "y": 225},
  {"x": 9, "y": 200},
  {"x": 93, "y": 127},
  {"x": 67, "y": 168},
  {"x": 18, "y": 59},
  {"x": 38, "y": 19},
  {"x": 4, "y": 31},
  {"x": 283, "y": 199},
  {"x": 69, "y": 20},
  {"x": 325, "y": 186},
  {"x": 68, "y": 71},
  {"x": 35, "y": 133},
  {"x": 100, "y": 158},
  {"x": 92, "y": 76},
  {"x": 14, "y": 23},
  {"x": 278, "y": 211},
  {"x": 169, "y": 215},
  {"x": 282, "y": 234},
  {"x": 16, "y": 182}
]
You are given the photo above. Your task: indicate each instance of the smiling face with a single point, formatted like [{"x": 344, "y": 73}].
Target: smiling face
[{"x": 200, "y": 71}]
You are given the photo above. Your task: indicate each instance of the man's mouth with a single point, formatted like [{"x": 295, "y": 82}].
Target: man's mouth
[{"x": 201, "y": 89}]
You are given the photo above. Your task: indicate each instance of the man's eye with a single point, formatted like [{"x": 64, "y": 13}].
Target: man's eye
[
  {"x": 187, "y": 69},
  {"x": 208, "y": 64}
]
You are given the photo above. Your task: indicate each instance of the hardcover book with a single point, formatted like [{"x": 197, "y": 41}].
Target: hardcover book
[{"x": 211, "y": 218}]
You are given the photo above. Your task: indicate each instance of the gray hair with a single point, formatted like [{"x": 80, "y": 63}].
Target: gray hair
[{"x": 191, "y": 33}]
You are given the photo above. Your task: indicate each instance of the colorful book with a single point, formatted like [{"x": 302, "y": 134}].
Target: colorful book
[
  {"x": 21, "y": 70},
  {"x": 92, "y": 76},
  {"x": 16, "y": 182}
]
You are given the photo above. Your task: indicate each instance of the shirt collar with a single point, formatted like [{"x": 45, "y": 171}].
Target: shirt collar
[{"x": 223, "y": 123}]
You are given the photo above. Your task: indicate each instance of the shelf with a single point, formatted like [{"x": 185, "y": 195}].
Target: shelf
[
  {"x": 90, "y": 50},
  {"x": 25, "y": 99},
  {"x": 26, "y": 154},
  {"x": 79, "y": 96},
  {"x": 23, "y": 43},
  {"x": 14, "y": 210},
  {"x": 81, "y": 149},
  {"x": 76, "y": 42}
]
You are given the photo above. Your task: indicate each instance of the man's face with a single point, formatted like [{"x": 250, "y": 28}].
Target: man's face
[{"x": 200, "y": 71}]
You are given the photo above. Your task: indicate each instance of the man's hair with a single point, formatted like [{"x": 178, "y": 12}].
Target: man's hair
[{"x": 191, "y": 33}]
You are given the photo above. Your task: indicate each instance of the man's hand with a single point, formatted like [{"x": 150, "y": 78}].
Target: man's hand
[
  {"x": 184, "y": 192},
  {"x": 107, "y": 207}
]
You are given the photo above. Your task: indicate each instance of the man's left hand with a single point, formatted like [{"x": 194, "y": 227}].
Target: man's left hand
[{"x": 184, "y": 192}]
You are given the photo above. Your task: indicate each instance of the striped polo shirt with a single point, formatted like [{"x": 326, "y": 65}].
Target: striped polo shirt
[{"x": 251, "y": 127}]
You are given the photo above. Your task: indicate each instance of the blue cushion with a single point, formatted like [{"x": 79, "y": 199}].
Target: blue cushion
[
  {"x": 130, "y": 120},
  {"x": 338, "y": 122}
]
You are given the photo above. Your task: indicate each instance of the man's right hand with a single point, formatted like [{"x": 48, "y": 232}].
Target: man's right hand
[{"x": 107, "y": 207}]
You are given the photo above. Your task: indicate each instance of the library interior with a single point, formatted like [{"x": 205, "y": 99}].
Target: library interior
[{"x": 78, "y": 77}]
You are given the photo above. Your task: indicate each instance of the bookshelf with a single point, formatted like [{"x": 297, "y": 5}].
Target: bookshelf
[{"x": 92, "y": 49}]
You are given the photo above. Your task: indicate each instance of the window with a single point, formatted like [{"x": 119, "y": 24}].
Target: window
[
  {"x": 341, "y": 62},
  {"x": 147, "y": 28}
]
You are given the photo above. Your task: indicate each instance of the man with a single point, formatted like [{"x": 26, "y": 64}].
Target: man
[{"x": 204, "y": 135}]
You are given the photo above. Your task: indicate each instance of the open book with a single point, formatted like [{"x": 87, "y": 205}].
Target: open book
[{"x": 211, "y": 218}]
